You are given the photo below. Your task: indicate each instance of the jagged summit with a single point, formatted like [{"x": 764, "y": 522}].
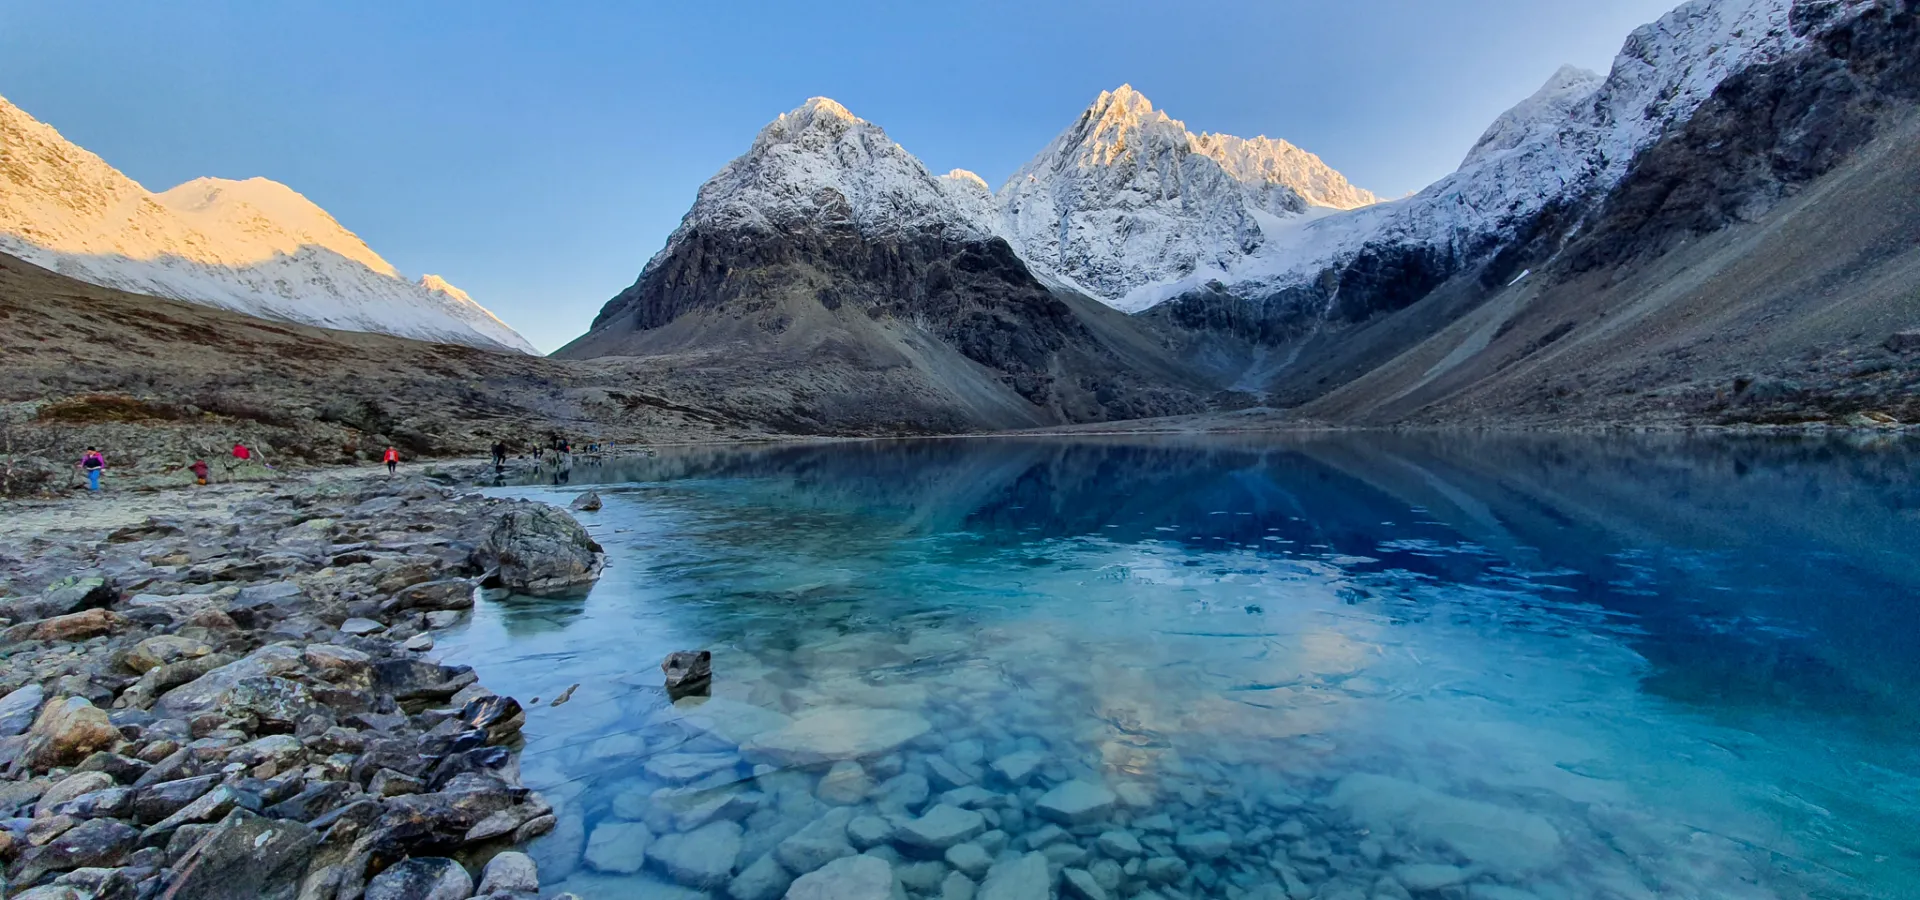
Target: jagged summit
[
  {"x": 1264, "y": 164},
  {"x": 1126, "y": 197},
  {"x": 255, "y": 246}
]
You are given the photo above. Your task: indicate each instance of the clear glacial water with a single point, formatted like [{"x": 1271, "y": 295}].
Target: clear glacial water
[{"x": 1341, "y": 667}]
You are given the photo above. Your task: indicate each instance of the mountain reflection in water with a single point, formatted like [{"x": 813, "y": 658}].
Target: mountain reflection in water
[{"x": 1637, "y": 666}]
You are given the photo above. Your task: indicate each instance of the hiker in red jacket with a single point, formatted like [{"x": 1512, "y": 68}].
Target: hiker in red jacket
[{"x": 392, "y": 459}]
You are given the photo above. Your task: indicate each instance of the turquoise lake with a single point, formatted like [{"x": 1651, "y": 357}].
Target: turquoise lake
[{"x": 1351, "y": 666}]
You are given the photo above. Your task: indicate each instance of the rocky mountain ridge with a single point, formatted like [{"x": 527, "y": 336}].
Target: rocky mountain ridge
[
  {"x": 831, "y": 256},
  {"x": 253, "y": 246}
]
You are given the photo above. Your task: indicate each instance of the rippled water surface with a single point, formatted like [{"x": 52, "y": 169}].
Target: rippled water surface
[{"x": 1345, "y": 667}]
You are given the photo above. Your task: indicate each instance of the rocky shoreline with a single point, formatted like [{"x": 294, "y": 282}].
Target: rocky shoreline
[{"x": 241, "y": 701}]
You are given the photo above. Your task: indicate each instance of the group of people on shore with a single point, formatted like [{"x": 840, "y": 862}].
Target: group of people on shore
[
  {"x": 558, "y": 453},
  {"x": 93, "y": 464}
]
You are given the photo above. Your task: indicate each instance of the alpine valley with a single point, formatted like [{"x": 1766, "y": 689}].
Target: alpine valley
[{"x": 1718, "y": 230}]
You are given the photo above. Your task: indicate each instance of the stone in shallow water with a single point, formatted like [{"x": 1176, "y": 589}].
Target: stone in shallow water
[
  {"x": 618, "y": 847},
  {"x": 1204, "y": 844},
  {"x": 1508, "y": 840},
  {"x": 1076, "y": 802},
  {"x": 970, "y": 859},
  {"x": 869, "y": 831},
  {"x": 971, "y": 797},
  {"x": 703, "y": 858},
  {"x": 1080, "y": 883},
  {"x": 1021, "y": 878},
  {"x": 1016, "y": 768},
  {"x": 943, "y": 826},
  {"x": 836, "y": 734},
  {"x": 1420, "y": 877},
  {"x": 822, "y": 841},
  {"x": 680, "y": 768},
  {"x": 852, "y": 878},
  {"x": 845, "y": 784},
  {"x": 1120, "y": 845},
  {"x": 764, "y": 880}
]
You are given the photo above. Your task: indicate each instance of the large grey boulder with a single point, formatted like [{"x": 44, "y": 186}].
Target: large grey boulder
[
  {"x": 541, "y": 550},
  {"x": 422, "y": 878},
  {"x": 248, "y": 857}
]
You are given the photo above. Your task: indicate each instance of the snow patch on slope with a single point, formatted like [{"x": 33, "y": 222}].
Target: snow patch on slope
[{"x": 255, "y": 246}]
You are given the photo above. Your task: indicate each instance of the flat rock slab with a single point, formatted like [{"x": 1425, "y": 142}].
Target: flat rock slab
[
  {"x": 832, "y": 735},
  {"x": 1076, "y": 802},
  {"x": 680, "y": 768},
  {"x": 1021, "y": 878},
  {"x": 943, "y": 826},
  {"x": 852, "y": 878}
]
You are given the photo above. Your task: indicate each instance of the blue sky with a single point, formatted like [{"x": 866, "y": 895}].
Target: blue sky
[{"x": 537, "y": 155}]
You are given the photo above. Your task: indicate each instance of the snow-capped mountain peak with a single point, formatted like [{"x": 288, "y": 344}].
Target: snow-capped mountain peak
[
  {"x": 1265, "y": 164},
  {"x": 1126, "y": 197},
  {"x": 821, "y": 165},
  {"x": 255, "y": 246},
  {"x": 1556, "y": 103}
]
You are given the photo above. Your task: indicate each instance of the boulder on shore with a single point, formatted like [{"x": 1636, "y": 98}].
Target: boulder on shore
[{"x": 538, "y": 549}]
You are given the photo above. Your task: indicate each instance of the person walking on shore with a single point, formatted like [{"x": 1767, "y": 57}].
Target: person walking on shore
[
  {"x": 199, "y": 470},
  {"x": 392, "y": 458},
  {"x": 499, "y": 455},
  {"x": 94, "y": 464}
]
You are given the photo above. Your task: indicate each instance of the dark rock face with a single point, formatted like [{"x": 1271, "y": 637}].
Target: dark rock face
[
  {"x": 974, "y": 296},
  {"x": 1763, "y": 134}
]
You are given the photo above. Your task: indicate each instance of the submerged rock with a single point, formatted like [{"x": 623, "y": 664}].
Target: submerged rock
[
  {"x": 831, "y": 735},
  {"x": 587, "y": 502},
  {"x": 852, "y": 878},
  {"x": 1507, "y": 840}
]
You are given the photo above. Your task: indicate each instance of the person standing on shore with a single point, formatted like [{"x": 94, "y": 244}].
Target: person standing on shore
[
  {"x": 94, "y": 464},
  {"x": 499, "y": 455},
  {"x": 392, "y": 458},
  {"x": 241, "y": 456},
  {"x": 199, "y": 470}
]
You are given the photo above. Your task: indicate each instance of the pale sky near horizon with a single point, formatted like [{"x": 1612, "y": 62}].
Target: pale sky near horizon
[{"x": 537, "y": 157}]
